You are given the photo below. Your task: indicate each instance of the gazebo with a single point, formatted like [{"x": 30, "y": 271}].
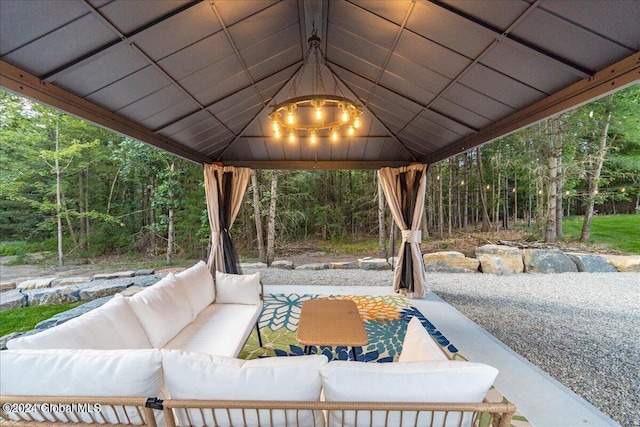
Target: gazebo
[{"x": 426, "y": 79}]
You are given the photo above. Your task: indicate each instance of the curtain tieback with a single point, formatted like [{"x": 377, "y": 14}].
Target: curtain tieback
[
  {"x": 215, "y": 237},
  {"x": 412, "y": 236}
]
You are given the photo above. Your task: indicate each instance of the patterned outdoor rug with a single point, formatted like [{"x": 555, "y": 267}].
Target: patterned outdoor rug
[{"x": 385, "y": 320}]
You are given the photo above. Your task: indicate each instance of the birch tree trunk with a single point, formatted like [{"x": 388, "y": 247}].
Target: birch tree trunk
[
  {"x": 465, "y": 215},
  {"x": 257, "y": 217},
  {"x": 594, "y": 178},
  {"x": 170, "y": 227},
  {"x": 58, "y": 194},
  {"x": 552, "y": 192},
  {"x": 271, "y": 224},
  {"x": 440, "y": 204},
  {"x": 559, "y": 180},
  {"x": 82, "y": 210}
]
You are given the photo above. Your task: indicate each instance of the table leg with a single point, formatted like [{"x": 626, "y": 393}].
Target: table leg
[
  {"x": 307, "y": 349},
  {"x": 355, "y": 356}
]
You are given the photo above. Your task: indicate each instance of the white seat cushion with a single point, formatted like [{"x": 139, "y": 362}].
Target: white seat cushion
[
  {"x": 418, "y": 346},
  {"x": 404, "y": 382},
  {"x": 91, "y": 373},
  {"x": 220, "y": 329},
  {"x": 163, "y": 310},
  {"x": 202, "y": 376},
  {"x": 197, "y": 283},
  {"x": 237, "y": 288},
  {"x": 110, "y": 326}
]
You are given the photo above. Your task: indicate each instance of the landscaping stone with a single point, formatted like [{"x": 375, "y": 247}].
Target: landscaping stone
[
  {"x": 7, "y": 286},
  {"x": 67, "y": 281},
  {"x": 318, "y": 266},
  {"x": 500, "y": 259},
  {"x": 70, "y": 314},
  {"x": 392, "y": 260},
  {"x": 624, "y": 263},
  {"x": 116, "y": 275},
  {"x": 591, "y": 263},
  {"x": 450, "y": 262},
  {"x": 43, "y": 282},
  {"x": 347, "y": 265},
  {"x": 52, "y": 296},
  {"x": 253, "y": 265},
  {"x": 145, "y": 272},
  {"x": 101, "y": 288},
  {"x": 282, "y": 264},
  {"x": 132, "y": 290},
  {"x": 145, "y": 281},
  {"x": 548, "y": 261},
  {"x": 12, "y": 299},
  {"x": 6, "y": 338},
  {"x": 370, "y": 263}
]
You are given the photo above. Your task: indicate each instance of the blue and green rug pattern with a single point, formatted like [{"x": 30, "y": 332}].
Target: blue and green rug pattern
[{"x": 385, "y": 320}]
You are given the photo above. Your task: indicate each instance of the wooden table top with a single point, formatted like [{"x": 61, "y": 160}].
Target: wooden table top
[{"x": 331, "y": 322}]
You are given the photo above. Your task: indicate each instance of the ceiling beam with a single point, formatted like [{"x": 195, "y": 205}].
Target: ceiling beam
[
  {"x": 605, "y": 81},
  {"x": 26, "y": 84},
  {"x": 319, "y": 165}
]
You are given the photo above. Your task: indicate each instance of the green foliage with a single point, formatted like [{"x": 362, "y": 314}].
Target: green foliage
[
  {"x": 26, "y": 318},
  {"x": 617, "y": 232}
]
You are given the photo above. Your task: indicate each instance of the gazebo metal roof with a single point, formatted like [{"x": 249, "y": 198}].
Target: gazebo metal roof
[{"x": 436, "y": 78}]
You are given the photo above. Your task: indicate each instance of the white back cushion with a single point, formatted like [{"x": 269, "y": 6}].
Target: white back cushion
[
  {"x": 418, "y": 346},
  {"x": 163, "y": 310},
  {"x": 237, "y": 288},
  {"x": 203, "y": 376},
  {"x": 404, "y": 382},
  {"x": 110, "y": 326},
  {"x": 91, "y": 373},
  {"x": 197, "y": 283}
]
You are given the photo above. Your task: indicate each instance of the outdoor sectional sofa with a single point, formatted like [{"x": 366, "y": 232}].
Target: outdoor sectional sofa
[{"x": 168, "y": 356}]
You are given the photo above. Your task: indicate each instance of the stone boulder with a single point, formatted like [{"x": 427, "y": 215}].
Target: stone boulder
[
  {"x": 70, "y": 314},
  {"x": 500, "y": 259},
  {"x": 548, "y": 261},
  {"x": 347, "y": 265},
  {"x": 12, "y": 299},
  {"x": 145, "y": 272},
  {"x": 369, "y": 263},
  {"x": 116, "y": 275},
  {"x": 317, "y": 266},
  {"x": 53, "y": 296},
  {"x": 101, "y": 288},
  {"x": 145, "y": 281},
  {"x": 450, "y": 262},
  {"x": 591, "y": 263},
  {"x": 624, "y": 263},
  {"x": 68, "y": 281},
  {"x": 7, "y": 286},
  {"x": 43, "y": 282},
  {"x": 282, "y": 264},
  {"x": 252, "y": 265}
]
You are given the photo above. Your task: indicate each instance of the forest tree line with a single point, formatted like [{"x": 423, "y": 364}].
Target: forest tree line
[{"x": 71, "y": 187}]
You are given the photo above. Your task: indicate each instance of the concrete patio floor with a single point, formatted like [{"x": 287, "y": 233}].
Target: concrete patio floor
[{"x": 542, "y": 399}]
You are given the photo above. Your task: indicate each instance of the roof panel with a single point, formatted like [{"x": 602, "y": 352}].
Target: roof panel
[
  {"x": 476, "y": 101},
  {"x": 344, "y": 39},
  {"x": 128, "y": 16},
  {"x": 447, "y": 29},
  {"x": 22, "y": 22},
  {"x": 182, "y": 29},
  {"x": 359, "y": 21},
  {"x": 459, "y": 114},
  {"x": 394, "y": 11},
  {"x": 432, "y": 55},
  {"x": 233, "y": 11},
  {"x": 498, "y": 13},
  {"x": 263, "y": 24},
  {"x": 417, "y": 74}
]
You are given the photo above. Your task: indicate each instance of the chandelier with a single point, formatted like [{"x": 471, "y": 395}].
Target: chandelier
[{"x": 317, "y": 115}]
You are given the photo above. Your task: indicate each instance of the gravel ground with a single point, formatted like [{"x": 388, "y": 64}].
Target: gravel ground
[{"x": 581, "y": 328}]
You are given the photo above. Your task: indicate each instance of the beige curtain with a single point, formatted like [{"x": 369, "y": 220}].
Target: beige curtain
[
  {"x": 404, "y": 189},
  {"x": 224, "y": 187}
]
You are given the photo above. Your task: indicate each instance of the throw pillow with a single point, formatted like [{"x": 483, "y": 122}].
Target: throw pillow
[
  {"x": 197, "y": 283},
  {"x": 418, "y": 346},
  {"x": 237, "y": 288}
]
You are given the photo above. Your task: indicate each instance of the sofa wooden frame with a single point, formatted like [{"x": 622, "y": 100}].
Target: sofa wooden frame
[{"x": 491, "y": 414}]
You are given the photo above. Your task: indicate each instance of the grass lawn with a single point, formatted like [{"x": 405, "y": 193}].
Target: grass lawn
[
  {"x": 26, "y": 318},
  {"x": 618, "y": 232}
]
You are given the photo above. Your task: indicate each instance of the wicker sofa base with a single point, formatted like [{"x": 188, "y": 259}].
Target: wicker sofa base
[{"x": 25, "y": 411}]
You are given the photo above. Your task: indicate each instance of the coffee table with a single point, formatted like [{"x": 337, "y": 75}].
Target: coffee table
[{"x": 331, "y": 322}]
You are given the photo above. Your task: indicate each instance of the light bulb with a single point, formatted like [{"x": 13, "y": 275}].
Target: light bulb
[
  {"x": 318, "y": 114},
  {"x": 276, "y": 126},
  {"x": 291, "y": 119},
  {"x": 356, "y": 122},
  {"x": 351, "y": 131},
  {"x": 292, "y": 137},
  {"x": 334, "y": 135},
  {"x": 277, "y": 134},
  {"x": 314, "y": 138},
  {"x": 345, "y": 116}
]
